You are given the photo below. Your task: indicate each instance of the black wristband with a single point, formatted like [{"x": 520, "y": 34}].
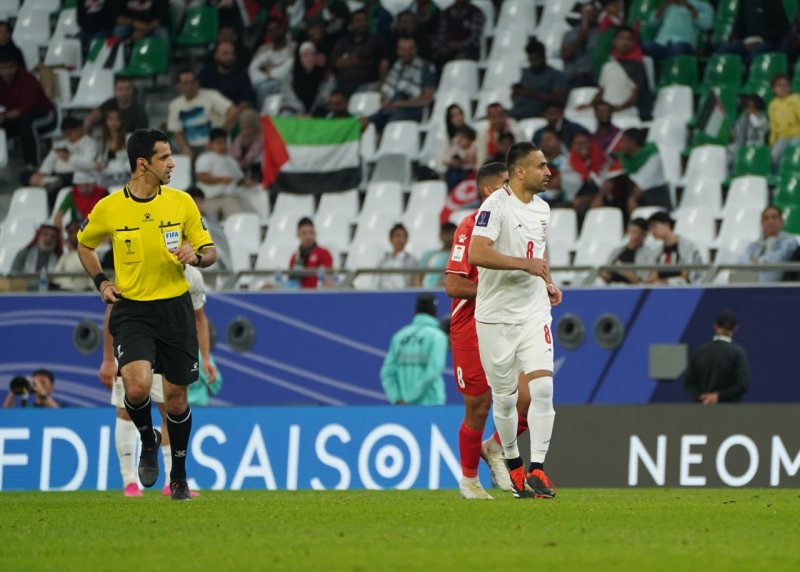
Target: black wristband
[
  {"x": 199, "y": 261},
  {"x": 99, "y": 279}
]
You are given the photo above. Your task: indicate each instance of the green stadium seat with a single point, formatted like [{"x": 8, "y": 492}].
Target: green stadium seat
[
  {"x": 679, "y": 70},
  {"x": 765, "y": 66},
  {"x": 791, "y": 9},
  {"x": 199, "y": 27},
  {"x": 759, "y": 88},
  {"x": 787, "y": 193},
  {"x": 752, "y": 160},
  {"x": 796, "y": 77},
  {"x": 791, "y": 220},
  {"x": 641, "y": 10},
  {"x": 788, "y": 166},
  {"x": 724, "y": 19},
  {"x": 722, "y": 69},
  {"x": 726, "y": 9},
  {"x": 149, "y": 57}
]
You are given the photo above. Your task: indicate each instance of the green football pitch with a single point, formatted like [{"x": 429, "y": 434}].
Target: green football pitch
[{"x": 583, "y": 529}]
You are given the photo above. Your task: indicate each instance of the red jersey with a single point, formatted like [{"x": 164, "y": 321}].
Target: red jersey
[
  {"x": 462, "y": 312},
  {"x": 318, "y": 257}
]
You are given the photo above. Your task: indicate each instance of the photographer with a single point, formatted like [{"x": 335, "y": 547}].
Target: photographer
[{"x": 42, "y": 388}]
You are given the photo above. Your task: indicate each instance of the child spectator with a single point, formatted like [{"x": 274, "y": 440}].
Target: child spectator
[
  {"x": 784, "y": 117},
  {"x": 219, "y": 176},
  {"x": 461, "y": 156}
]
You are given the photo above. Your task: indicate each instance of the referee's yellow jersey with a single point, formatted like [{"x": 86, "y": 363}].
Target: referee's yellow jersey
[{"x": 143, "y": 232}]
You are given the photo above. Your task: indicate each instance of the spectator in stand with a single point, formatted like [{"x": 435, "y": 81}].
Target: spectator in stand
[
  {"x": 228, "y": 13},
  {"x": 634, "y": 251},
  {"x": 553, "y": 149},
  {"x": 540, "y": 85},
  {"x": 681, "y": 23},
  {"x": 460, "y": 31},
  {"x": 358, "y": 59},
  {"x": 317, "y": 35},
  {"x": 718, "y": 371},
  {"x": 272, "y": 63},
  {"x": 460, "y": 160},
  {"x": 195, "y": 112},
  {"x": 27, "y": 112},
  {"x": 498, "y": 123},
  {"x": 248, "y": 146},
  {"x": 305, "y": 89},
  {"x": 79, "y": 202},
  {"x": 220, "y": 177},
  {"x": 398, "y": 258},
  {"x": 408, "y": 88},
  {"x": 584, "y": 173},
  {"x": 227, "y": 77},
  {"x": 41, "y": 253},
  {"x": 774, "y": 246},
  {"x": 577, "y": 48},
  {"x": 437, "y": 259},
  {"x": 759, "y": 27},
  {"x": 504, "y": 143},
  {"x": 96, "y": 20},
  {"x": 642, "y": 182},
  {"x": 142, "y": 18},
  {"x": 379, "y": 18},
  {"x": 231, "y": 34},
  {"x": 42, "y": 387},
  {"x": 214, "y": 227},
  {"x": 70, "y": 263},
  {"x": 784, "y": 117},
  {"x": 77, "y": 151},
  {"x": 336, "y": 108},
  {"x": 623, "y": 80},
  {"x": 311, "y": 256},
  {"x": 133, "y": 113},
  {"x": 607, "y": 134},
  {"x": 405, "y": 26},
  {"x": 612, "y": 15},
  {"x": 112, "y": 164},
  {"x": 454, "y": 120},
  {"x": 426, "y": 17},
  {"x": 566, "y": 129},
  {"x": 7, "y": 44},
  {"x": 676, "y": 250},
  {"x": 751, "y": 127}
]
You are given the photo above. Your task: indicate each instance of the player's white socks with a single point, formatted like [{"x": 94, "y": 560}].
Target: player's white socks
[
  {"x": 166, "y": 453},
  {"x": 541, "y": 417},
  {"x": 504, "y": 412},
  {"x": 125, "y": 438}
]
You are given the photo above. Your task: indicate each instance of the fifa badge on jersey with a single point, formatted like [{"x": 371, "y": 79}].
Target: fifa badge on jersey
[
  {"x": 458, "y": 253},
  {"x": 172, "y": 238},
  {"x": 203, "y": 223},
  {"x": 84, "y": 223},
  {"x": 483, "y": 218}
]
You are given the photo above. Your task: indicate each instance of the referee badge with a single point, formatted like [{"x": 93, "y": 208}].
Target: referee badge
[{"x": 172, "y": 238}]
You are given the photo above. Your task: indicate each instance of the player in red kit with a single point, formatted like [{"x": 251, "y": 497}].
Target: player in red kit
[{"x": 461, "y": 284}]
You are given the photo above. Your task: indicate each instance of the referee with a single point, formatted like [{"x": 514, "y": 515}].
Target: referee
[{"x": 155, "y": 230}]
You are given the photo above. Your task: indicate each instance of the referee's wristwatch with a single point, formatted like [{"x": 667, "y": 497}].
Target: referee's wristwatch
[{"x": 199, "y": 260}]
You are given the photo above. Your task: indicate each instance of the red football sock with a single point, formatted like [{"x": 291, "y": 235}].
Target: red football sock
[
  {"x": 522, "y": 426},
  {"x": 469, "y": 446}
]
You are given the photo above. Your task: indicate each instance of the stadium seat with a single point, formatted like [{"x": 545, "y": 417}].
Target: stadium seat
[
  {"x": 727, "y": 96},
  {"x": 9, "y": 9},
  {"x": 516, "y": 16},
  {"x": 671, "y": 163},
  {"x": 364, "y": 103},
  {"x": 62, "y": 192},
  {"x": 288, "y": 210},
  {"x": 722, "y": 69},
  {"x": 67, "y": 25},
  {"x": 746, "y": 191},
  {"x": 501, "y": 73},
  {"x": 200, "y": 27},
  {"x": 149, "y": 57},
  {"x": 581, "y": 96},
  {"x": 95, "y": 87},
  {"x": 493, "y": 95},
  {"x": 791, "y": 220},
  {"x": 393, "y": 167},
  {"x": 430, "y": 154},
  {"x": 487, "y": 7},
  {"x": 701, "y": 158},
  {"x": 667, "y": 131},
  {"x": 787, "y": 194},
  {"x": 272, "y": 105},
  {"x": 705, "y": 193},
  {"x": 426, "y": 196},
  {"x": 443, "y": 100},
  {"x": 333, "y": 227},
  {"x": 765, "y": 66},
  {"x": 509, "y": 46},
  {"x": 423, "y": 232},
  {"x": 182, "y": 173},
  {"x": 240, "y": 257},
  {"x": 563, "y": 227},
  {"x": 796, "y": 77},
  {"x": 678, "y": 70},
  {"x": 384, "y": 196},
  {"x": 63, "y": 91},
  {"x": 28, "y": 203},
  {"x": 30, "y": 53},
  {"x": 18, "y": 232},
  {"x": 592, "y": 252},
  {"x": 33, "y": 25},
  {"x": 558, "y": 255},
  {"x": 64, "y": 52},
  {"x": 697, "y": 224},
  {"x": 365, "y": 254},
  {"x": 789, "y": 163},
  {"x": 399, "y": 137},
  {"x": 275, "y": 254},
  {"x": 244, "y": 229},
  {"x": 729, "y": 251},
  {"x": 752, "y": 160},
  {"x": 100, "y": 55},
  {"x": 530, "y": 126},
  {"x": 742, "y": 223},
  {"x": 760, "y": 88},
  {"x": 551, "y": 34},
  {"x": 394, "y": 7},
  {"x": 640, "y": 11},
  {"x": 645, "y": 212},
  {"x": 675, "y": 102},
  {"x": 604, "y": 224},
  {"x": 3, "y": 149},
  {"x": 460, "y": 75},
  {"x": 345, "y": 204}
]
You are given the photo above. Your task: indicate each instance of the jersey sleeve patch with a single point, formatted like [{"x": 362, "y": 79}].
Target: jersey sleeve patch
[
  {"x": 458, "y": 253},
  {"x": 84, "y": 223},
  {"x": 483, "y": 218}
]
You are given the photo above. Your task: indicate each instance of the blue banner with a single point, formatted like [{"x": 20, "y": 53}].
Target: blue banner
[{"x": 245, "y": 448}]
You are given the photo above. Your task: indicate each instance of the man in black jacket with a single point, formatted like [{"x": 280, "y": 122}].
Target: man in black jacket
[{"x": 718, "y": 370}]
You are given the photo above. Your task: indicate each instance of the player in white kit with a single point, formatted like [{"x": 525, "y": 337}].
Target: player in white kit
[{"x": 512, "y": 312}]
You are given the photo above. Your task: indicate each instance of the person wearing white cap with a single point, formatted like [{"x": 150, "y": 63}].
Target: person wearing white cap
[{"x": 79, "y": 202}]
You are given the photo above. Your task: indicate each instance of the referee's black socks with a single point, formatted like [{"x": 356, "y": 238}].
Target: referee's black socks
[
  {"x": 179, "y": 428},
  {"x": 143, "y": 419}
]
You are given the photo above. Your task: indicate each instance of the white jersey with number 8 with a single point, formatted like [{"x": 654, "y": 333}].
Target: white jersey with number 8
[{"x": 517, "y": 229}]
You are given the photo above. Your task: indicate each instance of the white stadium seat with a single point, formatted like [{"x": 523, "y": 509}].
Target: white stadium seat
[
  {"x": 675, "y": 102},
  {"x": 563, "y": 227},
  {"x": 400, "y": 137},
  {"x": 33, "y": 25},
  {"x": 95, "y": 87},
  {"x": 345, "y": 204},
  {"x": 182, "y": 173},
  {"x": 604, "y": 223},
  {"x": 67, "y": 25},
  {"x": 384, "y": 196},
  {"x": 697, "y": 224},
  {"x": 706, "y": 162},
  {"x": 740, "y": 223},
  {"x": 460, "y": 75},
  {"x": 28, "y": 202},
  {"x": 244, "y": 229},
  {"x": 747, "y": 191},
  {"x": 705, "y": 193},
  {"x": 364, "y": 103}
]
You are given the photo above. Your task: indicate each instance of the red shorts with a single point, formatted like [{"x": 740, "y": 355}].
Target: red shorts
[{"x": 470, "y": 377}]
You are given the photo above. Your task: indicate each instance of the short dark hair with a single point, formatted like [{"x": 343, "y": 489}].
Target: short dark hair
[
  {"x": 69, "y": 123},
  {"x": 427, "y": 304},
  {"x": 549, "y": 130},
  {"x": 338, "y": 92},
  {"x": 490, "y": 170},
  {"x": 517, "y": 152},
  {"x": 535, "y": 47},
  {"x": 505, "y": 135},
  {"x": 7, "y": 56},
  {"x": 726, "y": 320},
  {"x": 641, "y": 223},
  {"x": 661, "y": 216},
  {"x": 396, "y": 227},
  {"x": 406, "y": 37},
  {"x": 121, "y": 78},
  {"x": 636, "y": 135},
  {"x": 47, "y": 373},
  {"x": 623, "y": 28},
  {"x": 142, "y": 143},
  {"x": 196, "y": 193},
  {"x": 467, "y": 132},
  {"x": 184, "y": 71},
  {"x": 772, "y": 208},
  {"x": 218, "y": 133},
  {"x": 448, "y": 227},
  {"x": 777, "y": 77},
  {"x": 305, "y": 221}
]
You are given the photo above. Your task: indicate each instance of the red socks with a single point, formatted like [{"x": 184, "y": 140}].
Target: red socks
[{"x": 469, "y": 446}]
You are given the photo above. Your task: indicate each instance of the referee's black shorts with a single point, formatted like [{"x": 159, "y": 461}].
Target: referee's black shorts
[{"x": 162, "y": 332}]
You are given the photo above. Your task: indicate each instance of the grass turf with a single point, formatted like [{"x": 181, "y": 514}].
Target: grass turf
[{"x": 583, "y": 529}]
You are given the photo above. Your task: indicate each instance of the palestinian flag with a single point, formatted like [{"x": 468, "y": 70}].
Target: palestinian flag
[
  {"x": 711, "y": 119},
  {"x": 311, "y": 155}
]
